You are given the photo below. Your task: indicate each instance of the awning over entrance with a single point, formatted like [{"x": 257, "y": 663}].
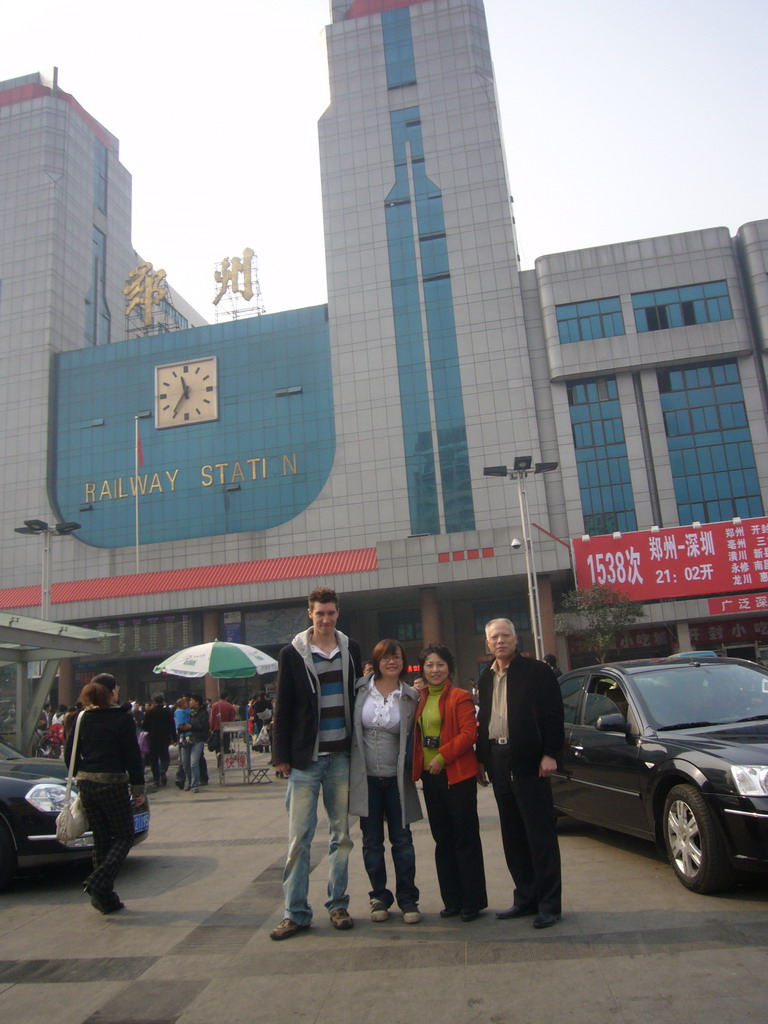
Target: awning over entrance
[{"x": 24, "y": 640}]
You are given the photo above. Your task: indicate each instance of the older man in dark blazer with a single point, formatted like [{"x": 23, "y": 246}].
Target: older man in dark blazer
[{"x": 520, "y": 735}]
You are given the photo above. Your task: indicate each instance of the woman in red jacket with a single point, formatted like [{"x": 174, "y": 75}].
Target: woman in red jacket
[{"x": 444, "y": 758}]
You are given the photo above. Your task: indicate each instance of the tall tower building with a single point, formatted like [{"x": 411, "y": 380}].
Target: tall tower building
[
  {"x": 431, "y": 365},
  {"x": 65, "y": 216},
  {"x": 65, "y": 257},
  {"x": 346, "y": 444}
]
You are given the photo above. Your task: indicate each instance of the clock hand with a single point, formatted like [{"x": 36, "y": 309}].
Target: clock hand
[{"x": 184, "y": 395}]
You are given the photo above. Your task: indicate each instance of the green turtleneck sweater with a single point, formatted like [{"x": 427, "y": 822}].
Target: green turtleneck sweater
[{"x": 430, "y": 724}]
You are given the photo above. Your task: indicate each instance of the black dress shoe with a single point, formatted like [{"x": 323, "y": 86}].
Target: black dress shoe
[
  {"x": 450, "y": 912},
  {"x": 505, "y": 915},
  {"x": 470, "y": 915},
  {"x": 104, "y": 904},
  {"x": 545, "y": 920}
]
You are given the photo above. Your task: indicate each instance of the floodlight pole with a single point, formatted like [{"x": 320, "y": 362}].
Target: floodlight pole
[
  {"x": 45, "y": 599},
  {"x": 523, "y": 465},
  {"x": 39, "y": 528},
  {"x": 530, "y": 564}
]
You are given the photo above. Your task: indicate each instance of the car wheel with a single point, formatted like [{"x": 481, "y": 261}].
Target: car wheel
[
  {"x": 694, "y": 845},
  {"x": 7, "y": 857}
]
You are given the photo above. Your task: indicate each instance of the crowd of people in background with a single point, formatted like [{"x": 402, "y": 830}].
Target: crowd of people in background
[{"x": 191, "y": 724}]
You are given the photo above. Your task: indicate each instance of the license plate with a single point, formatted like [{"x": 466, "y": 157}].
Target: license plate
[{"x": 141, "y": 822}]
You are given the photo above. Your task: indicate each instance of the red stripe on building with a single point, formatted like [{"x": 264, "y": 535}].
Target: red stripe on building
[
  {"x": 34, "y": 90},
  {"x": 362, "y": 8},
  {"x": 334, "y": 563}
]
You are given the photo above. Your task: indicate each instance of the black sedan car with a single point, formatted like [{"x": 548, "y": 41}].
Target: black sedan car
[
  {"x": 675, "y": 751},
  {"x": 31, "y": 795}
]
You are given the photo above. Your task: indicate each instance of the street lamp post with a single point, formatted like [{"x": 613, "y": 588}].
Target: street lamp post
[
  {"x": 39, "y": 528},
  {"x": 522, "y": 466}
]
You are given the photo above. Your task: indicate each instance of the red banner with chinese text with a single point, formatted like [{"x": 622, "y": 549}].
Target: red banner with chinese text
[
  {"x": 682, "y": 561},
  {"x": 734, "y": 605}
]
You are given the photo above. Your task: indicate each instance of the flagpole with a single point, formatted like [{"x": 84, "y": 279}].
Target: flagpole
[{"x": 136, "y": 443}]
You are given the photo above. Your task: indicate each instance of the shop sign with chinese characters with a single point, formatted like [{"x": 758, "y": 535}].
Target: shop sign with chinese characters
[
  {"x": 634, "y": 639},
  {"x": 712, "y": 634},
  {"x": 683, "y": 561}
]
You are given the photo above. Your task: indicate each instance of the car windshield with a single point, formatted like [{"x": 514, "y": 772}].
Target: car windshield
[
  {"x": 710, "y": 693},
  {"x": 9, "y": 753}
]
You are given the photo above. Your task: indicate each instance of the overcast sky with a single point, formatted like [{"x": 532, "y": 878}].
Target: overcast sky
[{"x": 622, "y": 119}]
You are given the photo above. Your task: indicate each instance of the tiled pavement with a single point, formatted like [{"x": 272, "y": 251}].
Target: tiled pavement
[{"x": 192, "y": 946}]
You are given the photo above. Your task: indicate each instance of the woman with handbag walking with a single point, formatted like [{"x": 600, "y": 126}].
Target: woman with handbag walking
[{"x": 107, "y": 760}]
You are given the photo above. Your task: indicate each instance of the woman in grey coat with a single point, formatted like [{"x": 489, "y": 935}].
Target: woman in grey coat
[{"x": 381, "y": 788}]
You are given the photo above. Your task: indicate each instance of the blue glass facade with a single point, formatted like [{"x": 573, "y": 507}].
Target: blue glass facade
[
  {"x": 679, "y": 307},
  {"x": 422, "y": 303},
  {"x": 259, "y": 465},
  {"x": 100, "y": 174},
  {"x": 710, "y": 445},
  {"x": 583, "y": 321},
  {"x": 398, "y": 48},
  {"x": 97, "y": 317},
  {"x": 607, "y": 500}
]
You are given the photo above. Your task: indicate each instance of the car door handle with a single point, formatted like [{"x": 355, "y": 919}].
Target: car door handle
[{"x": 577, "y": 749}]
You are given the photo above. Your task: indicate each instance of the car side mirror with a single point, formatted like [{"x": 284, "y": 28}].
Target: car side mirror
[{"x": 613, "y": 723}]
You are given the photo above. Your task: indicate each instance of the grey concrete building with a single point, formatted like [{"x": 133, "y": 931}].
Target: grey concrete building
[{"x": 346, "y": 444}]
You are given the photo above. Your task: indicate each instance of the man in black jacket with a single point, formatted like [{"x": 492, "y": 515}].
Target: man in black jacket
[
  {"x": 311, "y": 733},
  {"x": 160, "y": 726},
  {"x": 520, "y": 733}
]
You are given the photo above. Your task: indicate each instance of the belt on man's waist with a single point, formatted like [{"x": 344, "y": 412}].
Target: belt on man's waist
[{"x": 502, "y": 742}]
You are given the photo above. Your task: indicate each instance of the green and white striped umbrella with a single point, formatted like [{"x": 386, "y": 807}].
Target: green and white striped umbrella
[{"x": 219, "y": 659}]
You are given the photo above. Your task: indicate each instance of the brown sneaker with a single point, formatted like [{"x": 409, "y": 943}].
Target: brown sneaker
[
  {"x": 286, "y": 929},
  {"x": 340, "y": 919}
]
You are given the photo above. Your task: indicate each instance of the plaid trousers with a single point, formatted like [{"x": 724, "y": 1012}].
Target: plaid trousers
[{"x": 110, "y": 817}]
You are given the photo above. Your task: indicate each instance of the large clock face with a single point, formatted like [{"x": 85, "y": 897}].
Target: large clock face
[{"x": 186, "y": 393}]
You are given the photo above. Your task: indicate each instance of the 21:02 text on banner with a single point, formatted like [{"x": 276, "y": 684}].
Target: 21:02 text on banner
[{"x": 682, "y": 561}]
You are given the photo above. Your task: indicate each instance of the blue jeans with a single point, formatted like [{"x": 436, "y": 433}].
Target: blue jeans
[
  {"x": 331, "y": 772},
  {"x": 190, "y": 758},
  {"x": 384, "y": 805}
]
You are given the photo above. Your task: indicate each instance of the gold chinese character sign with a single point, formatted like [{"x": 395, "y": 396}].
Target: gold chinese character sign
[
  {"x": 145, "y": 289},
  {"x": 230, "y": 273}
]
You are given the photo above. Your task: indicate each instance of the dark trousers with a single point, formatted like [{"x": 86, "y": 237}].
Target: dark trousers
[
  {"x": 384, "y": 805},
  {"x": 527, "y": 819},
  {"x": 453, "y": 821},
  {"x": 110, "y": 818},
  {"x": 159, "y": 760}
]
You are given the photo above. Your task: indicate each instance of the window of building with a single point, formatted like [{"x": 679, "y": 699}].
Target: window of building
[
  {"x": 583, "y": 321},
  {"x": 97, "y": 316},
  {"x": 607, "y": 499},
  {"x": 100, "y": 165},
  {"x": 709, "y": 442},
  {"x": 513, "y": 608},
  {"x": 402, "y": 624},
  {"x": 680, "y": 307},
  {"x": 422, "y": 303},
  {"x": 172, "y": 315},
  {"x": 398, "y": 48}
]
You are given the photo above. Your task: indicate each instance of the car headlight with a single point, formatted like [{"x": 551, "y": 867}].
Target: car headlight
[
  {"x": 750, "y": 779},
  {"x": 49, "y": 796}
]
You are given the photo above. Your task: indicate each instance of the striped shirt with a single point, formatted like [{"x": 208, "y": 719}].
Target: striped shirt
[{"x": 334, "y": 734}]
